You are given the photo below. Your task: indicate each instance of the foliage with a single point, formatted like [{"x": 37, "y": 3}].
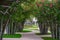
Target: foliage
[
  {"x": 46, "y": 11},
  {"x": 21, "y": 10}
]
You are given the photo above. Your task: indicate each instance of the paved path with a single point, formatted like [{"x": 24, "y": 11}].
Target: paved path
[{"x": 26, "y": 36}]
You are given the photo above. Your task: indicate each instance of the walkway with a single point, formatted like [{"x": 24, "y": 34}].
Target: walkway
[{"x": 26, "y": 36}]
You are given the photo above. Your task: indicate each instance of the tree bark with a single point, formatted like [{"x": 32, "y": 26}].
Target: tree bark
[
  {"x": 20, "y": 26},
  {"x": 3, "y": 25},
  {"x": 43, "y": 28},
  {"x": 55, "y": 30},
  {"x": 11, "y": 27}
]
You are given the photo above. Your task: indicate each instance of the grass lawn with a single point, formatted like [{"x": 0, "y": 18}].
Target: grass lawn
[
  {"x": 48, "y": 38},
  {"x": 42, "y": 34},
  {"x": 33, "y": 26},
  {"x": 26, "y": 30},
  {"x": 12, "y": 36},
  {"x": 29, "y": 28}
]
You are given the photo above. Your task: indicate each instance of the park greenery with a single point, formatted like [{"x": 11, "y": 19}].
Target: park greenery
[
  {"x": 48, "y": 38},
  {"x": 47, "y": 14},
  {"x": 12, "y": 36}
]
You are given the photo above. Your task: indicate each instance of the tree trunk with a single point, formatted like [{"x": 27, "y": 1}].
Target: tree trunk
[
  {"x": 11, "y": 27},
  {"x": 15, "y": 25},
  {"x": 52, "y": 29},
  {"x": 56, "y": 32},
  {"x": 3, "y": 26},
  {"x": 43, "y": 28},
  {"x": 20, "y": 26}
]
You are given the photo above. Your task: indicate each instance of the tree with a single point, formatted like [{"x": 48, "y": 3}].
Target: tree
[{"x": 16, "y": 15}]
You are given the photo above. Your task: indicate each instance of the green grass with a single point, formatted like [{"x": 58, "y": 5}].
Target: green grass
[
  {"x": 26, "y": 30},
  {"x": 42, "y": 34},
  {"x": 32, "y": 26},
  {"x": 27, "y": 26},
  {"x": 48, "y": 38},
  {"x": 12, "y": 36}
]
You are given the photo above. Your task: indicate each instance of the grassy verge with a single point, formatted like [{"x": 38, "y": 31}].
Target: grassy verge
[
  {"x": 48, "y": 38},
  {"x": 12, "y": 36},
  {"x": 30, "y": 26}
]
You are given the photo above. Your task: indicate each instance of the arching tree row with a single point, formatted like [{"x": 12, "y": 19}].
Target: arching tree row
[
  {"x": 48, "y": 16},
  {"x": 13, "y": 15},
  {"x": 18, "y": 11}
]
